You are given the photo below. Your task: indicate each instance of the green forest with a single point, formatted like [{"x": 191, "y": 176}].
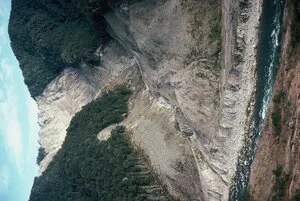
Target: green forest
[
  {"x": 86, "y": 169},
  {"x": 50, "y": 35}
]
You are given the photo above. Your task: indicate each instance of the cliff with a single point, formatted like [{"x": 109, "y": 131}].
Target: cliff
[
  {"x": 276, "y": 170},
  {"x": 191, "y": 66}
]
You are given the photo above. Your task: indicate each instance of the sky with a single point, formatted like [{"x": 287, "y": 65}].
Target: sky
[{"x": 18, "y": 122}]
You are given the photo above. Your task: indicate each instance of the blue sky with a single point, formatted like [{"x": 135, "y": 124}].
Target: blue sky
[{"x": 18, "y": 123}]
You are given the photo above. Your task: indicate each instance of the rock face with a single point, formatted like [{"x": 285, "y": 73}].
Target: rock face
[
  {"x": 190, "y": 110},
  {"x": 220, "y": 149},
  {"x": 155, "y": 131},
  {"x": 60, "y": 101},
  {"x": 74, "y": 88},
  {"x": 210, "y": 103},
  {"x": 281, "y": 148}
]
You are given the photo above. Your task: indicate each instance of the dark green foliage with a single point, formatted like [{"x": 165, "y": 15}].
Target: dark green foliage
[
  {"x": 50, "y": 35},
  {"x": 296, "y": 196},
  {"x": 245, "y": 196},
  {"x": 277, "y": 171},
  {"x": 295, "y": 26},
  {"x": 279, "y": 97},
  {"x": 281, "y": 179},
  {"x": 277, "y": 59},
  {"x": 86, "y": 169},
  {"x": 276, "y": 123},
  {"x": 47, "y": 36},
  {"x": 215, "y": 31},
  {"x": 41, "y": 155}
]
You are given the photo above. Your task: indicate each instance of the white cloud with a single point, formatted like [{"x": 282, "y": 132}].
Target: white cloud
[
  {"x": 4, "y": 179},
  {"x": 14, "y": 142},
  {"x": 3, "y": 33},
  {"x": 4, "y": 4},
  {"x": 2, "y": 95},
  {"x": 7, "y": 69},
  {"x": 11, "y": 134},
  {"x": 10, "y": 121},
  {"x": 2, "y": 10},
  {"x": 22, "y": 151},
  {"x": 2, "y": 38},
  {"x": 18, "y": 117}
]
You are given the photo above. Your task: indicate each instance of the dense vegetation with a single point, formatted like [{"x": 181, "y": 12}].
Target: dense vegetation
[
  {"x": 295, "y": 26},
  {"x": 245, "y": 195},
  {"x": 281, "y": 179},
  {"x": 49, "y": 35},
  {"x": 279, "y": 96},
  {"x": 296, "y": 196},
  {"x": 86, "y": 169},
  {"x": 41, "y": 155},
  {"x": 276, "y": 123}
]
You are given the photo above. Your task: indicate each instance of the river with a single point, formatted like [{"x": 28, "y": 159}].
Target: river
[
  {"x": 267, "y": 60},
  {"x": 18, "y": 122}
]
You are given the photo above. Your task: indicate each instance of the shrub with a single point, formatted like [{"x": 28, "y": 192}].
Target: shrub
[
  {"x": 281, "y": 179},
  {"x": 276, "y": 123},
  {"x": 41, "y": 155},
  {"x": 215, "y": 31},
  {"x": 280, "y": 96},
  {"x": 277, "y": 171},
  {"x": 245, "y": 195},
  {"x": 296, "y": 196},
  {"x": 295, "y": 25}
]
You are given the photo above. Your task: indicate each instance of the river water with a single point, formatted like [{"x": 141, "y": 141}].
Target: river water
[{"x": 267, "y": 60}]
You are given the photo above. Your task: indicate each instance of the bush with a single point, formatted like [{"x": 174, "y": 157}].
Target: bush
[
  {"x": 279, "y": 187},
  {"x": 277, "y": 171},
  {"x": 281, "y": 179},
  {"x": 215, "y": 31},
  {"x": 295, "y": 25},
  {"x": 245, "y": 196},
  {"x": 41, "y": 155},
  {"x": 296, "y": 196},
  {"x": 280, "y": 96},
  {"x": 276, "y": 123}
]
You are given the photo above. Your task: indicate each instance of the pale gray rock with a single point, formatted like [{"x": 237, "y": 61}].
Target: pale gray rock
[
  {"x": 71, "y": 90},
  {"x": 191, "y": 106}
]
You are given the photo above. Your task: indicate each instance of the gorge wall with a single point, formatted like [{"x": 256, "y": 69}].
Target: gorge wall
[
  {"x": 190, "y": 64},
  {"x": 275, "y": 174}
]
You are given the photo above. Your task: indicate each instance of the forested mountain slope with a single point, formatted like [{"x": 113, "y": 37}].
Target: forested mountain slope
[{"x": 49, "y": 36}]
